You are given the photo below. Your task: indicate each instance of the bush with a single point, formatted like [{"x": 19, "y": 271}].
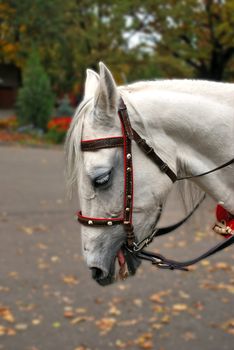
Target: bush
[
  {"x": 35, "y": 99},
  {"x": 57, "y": 129}
]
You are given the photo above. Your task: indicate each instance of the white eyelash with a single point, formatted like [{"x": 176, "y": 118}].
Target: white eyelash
[{"x": 103, "y": 179}]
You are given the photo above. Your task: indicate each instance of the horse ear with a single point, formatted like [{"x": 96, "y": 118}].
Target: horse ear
[
  {"x": 106, "y": 97},
  {"x": 91, "y": 84}
]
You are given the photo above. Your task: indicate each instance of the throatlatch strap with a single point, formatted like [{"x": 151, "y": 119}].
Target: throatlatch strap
[{"x": 149, "y": 151}]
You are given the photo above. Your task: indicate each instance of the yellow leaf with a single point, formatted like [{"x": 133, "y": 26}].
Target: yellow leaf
[
  {"x": 81, "y": 319},
  {"x": 7, "y": 315},
  {"x": 179, "y": 307},
  {"x": 114, "y": 311},
  {"x": 70, "y": 280}
]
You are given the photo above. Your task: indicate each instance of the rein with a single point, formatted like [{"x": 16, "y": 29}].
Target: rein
[{"x": 132, "y": 246}]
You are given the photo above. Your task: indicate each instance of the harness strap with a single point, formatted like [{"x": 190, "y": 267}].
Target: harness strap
[
  {"x": 164, "y": 230},
  {"x": 207, "y": 172},
  {"x": 149, "y": 151},
  {"x": 164, "y": 263},
  {"x": 108, "y": 142}
]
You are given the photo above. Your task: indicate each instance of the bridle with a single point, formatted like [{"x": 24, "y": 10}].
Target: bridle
[{"x": 137, "y": 248}]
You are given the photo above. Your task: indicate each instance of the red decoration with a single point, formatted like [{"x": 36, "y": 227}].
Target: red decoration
[{"x": 225, "y": 218}]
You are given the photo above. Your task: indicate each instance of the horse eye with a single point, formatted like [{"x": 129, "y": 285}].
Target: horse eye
[{"x": 102, "y": 179}]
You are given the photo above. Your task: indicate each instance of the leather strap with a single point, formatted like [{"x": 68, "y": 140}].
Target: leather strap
[
  {"x": 207, "y": 172},
  {"x": 90, "y": 221},
  {"x": 125, "y": 141},
  {"x": 162, "y": 262},
  {"x": 149, "y": 151},
  {"x": 109, "y": 142}
]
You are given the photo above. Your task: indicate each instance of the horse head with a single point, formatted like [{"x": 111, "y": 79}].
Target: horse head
[{"x": 100, "y": 178}]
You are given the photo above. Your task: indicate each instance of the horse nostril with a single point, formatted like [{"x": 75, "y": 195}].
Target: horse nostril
[{"x": 96, "y": 273}]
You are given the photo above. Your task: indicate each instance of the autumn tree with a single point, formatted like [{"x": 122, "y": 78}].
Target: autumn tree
[{"x": 191, "y": 36}]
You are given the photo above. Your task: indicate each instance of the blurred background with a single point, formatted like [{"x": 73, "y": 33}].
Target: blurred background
[{"x": 47, "y": 298}]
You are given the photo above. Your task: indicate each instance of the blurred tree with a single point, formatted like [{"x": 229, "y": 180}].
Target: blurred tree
[
  {"x": 194, "y": 35},
  {"x": 35, "y": 100}
]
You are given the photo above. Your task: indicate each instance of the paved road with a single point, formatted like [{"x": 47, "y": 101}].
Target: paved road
[{"x": 48, "y": 300}]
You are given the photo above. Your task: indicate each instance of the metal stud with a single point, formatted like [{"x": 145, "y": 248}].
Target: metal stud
[
  {"x": 129, "y": 196},
  {"x": 109, "y": 223},
  {"x": 129, "y": 156},
  {"x": 127, "y": 209},
  {"x": 129, "y": 169},
  {"x": 90, "y": 222}
]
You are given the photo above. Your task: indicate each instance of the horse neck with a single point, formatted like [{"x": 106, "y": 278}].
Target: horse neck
[{"x": 191, "y": 132}]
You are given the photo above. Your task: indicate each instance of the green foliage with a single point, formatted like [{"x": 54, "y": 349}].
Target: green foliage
[
  {"x": 195, "y": 36},
  {"x": 35, "y": 99},
  {"x": 55, "y": 136},
  {"x": 186, "y": 38}
]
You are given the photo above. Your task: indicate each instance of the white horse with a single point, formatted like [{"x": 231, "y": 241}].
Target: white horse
[{"x": 189, "y": 123}]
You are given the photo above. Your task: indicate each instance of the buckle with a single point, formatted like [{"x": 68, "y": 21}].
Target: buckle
[
  {"x": 164, "y": 167},
  {"x": 150, "y": 150}
]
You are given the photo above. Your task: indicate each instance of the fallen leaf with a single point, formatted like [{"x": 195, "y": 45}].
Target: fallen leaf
[
  {"x": 145, "y": 341},
  {"x": 54, "y": 258},
  {"x": 222, "y": 266},
  {"x": 68, "y": 312},
  {"x": 138, "y": 302},
  {"x": 81, "y": 310},
  {"x": 106, "y": 324},
  {"x": 114, "y": 311},
  {"x": 6, "y": 314},
  {"x": 81, "y": 319},
  {"x": 120, "y": 344},
  {"x": 70, "y": 280},
  {"x": 36, "y": 322},
  {"x": 205, "y": 263},
  {"x": 6, "y": 331},
  {"x": 21, "y": 327},
  {"x": 157, "y": 297},
  {"x": 179, "y": 307},
  {"x": 157, "y": 326},
  {"x": 183, "y": 295},
  {"x": 188, "y": 336},
  {"x": 42, "y": 246},
  {"x": 165, "y": 319},
  {"x": 228, "y": 326},
  {"x": 219, "y": 286},
  {"x": 56, "y": 325},
  {"x": 128, "y": 322},
  {"x": 27, "y": 229}
]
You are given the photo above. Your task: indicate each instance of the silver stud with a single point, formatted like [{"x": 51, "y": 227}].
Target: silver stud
[
  {"x": 129, "y": 169},
  {"x": 90, "y": 222},
  {"x": 129, "y": 156},
  {"x": 127, "y": 209},
  {"x": 109, "y": 223},
  {"x": 129, "y": 196}
]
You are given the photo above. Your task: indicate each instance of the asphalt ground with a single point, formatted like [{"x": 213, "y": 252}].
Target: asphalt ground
[{"x": 48, "y": 300}]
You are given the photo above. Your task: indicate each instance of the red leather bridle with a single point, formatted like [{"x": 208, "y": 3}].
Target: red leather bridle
[{"x": 125, "y": 142}]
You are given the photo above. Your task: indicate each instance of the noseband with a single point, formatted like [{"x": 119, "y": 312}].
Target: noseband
[{"x": 134, "y": 247}]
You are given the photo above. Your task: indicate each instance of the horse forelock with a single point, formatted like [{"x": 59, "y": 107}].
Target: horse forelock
[{"x": 72, "y": 147}]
